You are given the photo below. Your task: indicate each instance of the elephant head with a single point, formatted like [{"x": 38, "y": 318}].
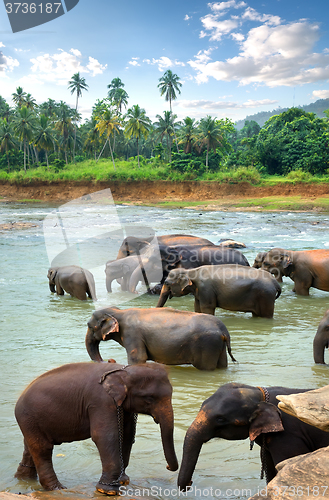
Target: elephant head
[
  {"x": 102, "y": 326},
  {"x": 321, "y": 339},
  {"x": 233, "y": 412},
  {"x": 145, "y": 389},
  {"x": 51, "y": 277},
  {"x": 278, "y": 262},
  {"x": 177, "y": 284}
]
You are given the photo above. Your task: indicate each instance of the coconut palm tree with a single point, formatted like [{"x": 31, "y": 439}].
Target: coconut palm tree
[
  {"x": 24, "y": 127},
  {"x": 138, "y": 125},
  {"x": 77, "y": 84},
  {"x": 30, "y": 102},
  {"x": 7, "y": 140},
  {"x": 44, "y": 135},
  {"x": 115, "y": 84},
  {"x": 186, "y": 135},
  {"x": 168, "y": 86},
  {"x": 120, "y": 98},
  {"x": 209, "y": 134},
  {"x": 109, "y": 123},
  {"x": 64, "y": 125},
  {"x": 165, "y": 127},
  {"x": 19, "y": 97}
]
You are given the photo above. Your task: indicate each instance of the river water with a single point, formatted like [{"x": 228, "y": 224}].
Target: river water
[{"x": 41, "y": 331}]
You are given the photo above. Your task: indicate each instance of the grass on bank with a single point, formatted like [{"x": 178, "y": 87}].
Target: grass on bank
[{"x": 150, "y": 170}]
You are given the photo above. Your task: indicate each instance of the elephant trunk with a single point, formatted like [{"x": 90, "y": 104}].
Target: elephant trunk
[
  {"x": 92, "y": 345},
  {"x": 165, "y": 417},
  {"x": 52, "y": 287},
  {"x": 191, "y": 450},
  {"x": 319, "y": 345},
  {"x": 164, "y": 295}
]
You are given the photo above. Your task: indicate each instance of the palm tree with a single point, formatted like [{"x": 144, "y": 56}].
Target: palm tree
[
  {"x": 209, "y": 134},
  {"x": 64, "y": 124},
  {"x": 108, "y": 122},
  {"x": 19, "y": 97},
  {"x": 120, "y": 98},
  {"x": 30, "y": 102},
  {"x": 77, "y": 84},
  {"x": 24, "y": 126},
  {"x": 48, "y": 108},
  {"x": 138, "y": 125},
  {"x": 169, "y": 85},
  {"x": 44, "y": 136},
  {"x": 164, "y": 127},
  {"x": 115, "y": 84},
  {"x": 187, "y": 134},
  {"x": 7, "y": 141}
]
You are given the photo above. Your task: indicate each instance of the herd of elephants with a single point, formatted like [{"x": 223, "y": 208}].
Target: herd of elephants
[{"x": 101, "y": 399}]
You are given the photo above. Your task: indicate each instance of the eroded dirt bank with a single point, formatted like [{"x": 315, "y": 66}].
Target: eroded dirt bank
[{"x": 157, "y": 191}]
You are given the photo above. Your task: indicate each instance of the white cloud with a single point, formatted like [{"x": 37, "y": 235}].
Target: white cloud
[
  {"x": 1, "y": 44},
  {"x": 59, "y": 67},
  {"x": 165, "y": 63},
  {"x": 270, "y": 55},
  {"x": 217, "y": 28},
  {"x": 187, "y": 17},
  {"x": 95, "y": 66},
  {"x": 204, "y": 104},
  {"x": 223, "y": 6},
  {"x": 320, "y": 94},
  {"x": 7, "y": 64}
]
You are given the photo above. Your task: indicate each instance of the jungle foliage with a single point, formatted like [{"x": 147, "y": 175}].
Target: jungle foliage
[{"x": 48, "y": 141}]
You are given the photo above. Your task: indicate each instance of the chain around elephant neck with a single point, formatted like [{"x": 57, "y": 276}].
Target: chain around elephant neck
[{"x": 266, "y": 394}]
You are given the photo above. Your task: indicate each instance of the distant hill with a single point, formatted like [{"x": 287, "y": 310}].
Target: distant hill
[{"x": 316, "y": 107}]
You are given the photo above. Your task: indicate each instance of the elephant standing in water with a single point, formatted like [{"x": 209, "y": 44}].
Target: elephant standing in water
[
  {"x": 321, "y": 339},
  {"x": 232, "y": 287},
  {"x": 238, "y": 411},
  {"x": 74, "y": 280},
  {"x": 307, "y": 268},
  {"x": 98, "y": 400},
  {"x": 167, "y": 336}
]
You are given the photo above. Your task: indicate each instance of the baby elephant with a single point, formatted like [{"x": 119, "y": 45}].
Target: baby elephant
[
  {"x": 167, "y": 336},
  {"x": 98, "y": 400},
  {"x": 74, "y": 280},
  {"x": 232, "y": 287}
]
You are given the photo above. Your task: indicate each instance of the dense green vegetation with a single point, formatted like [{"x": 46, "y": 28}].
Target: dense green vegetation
[{"x": 48, "y": 142}]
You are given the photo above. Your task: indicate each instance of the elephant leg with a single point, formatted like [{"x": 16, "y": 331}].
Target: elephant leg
[
  {"x": 222, "y": 358},
  {"x": 265, "y": 307},
  {"x": 197, "y": 305},
  {"x": 26, "y": 468},
  {"x": 106, "y": 434},
  {"x": 41, "y": 451},
  {"x": 136, "y": 351},
  {"x": 129, "y": 431}
]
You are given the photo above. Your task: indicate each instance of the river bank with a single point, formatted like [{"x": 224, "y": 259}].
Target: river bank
[{"x": 205, "y": 195}]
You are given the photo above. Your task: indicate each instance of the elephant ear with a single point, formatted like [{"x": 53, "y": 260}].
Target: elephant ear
[
  {"x": 114, "y": 385},
  {"x": 185, "y": 282},
  {"x": 286, "y": 262},
  {"x": 111, "y": 325},
  {"x": 266, "y": 418},
  {"x": 51, "y": 274}
]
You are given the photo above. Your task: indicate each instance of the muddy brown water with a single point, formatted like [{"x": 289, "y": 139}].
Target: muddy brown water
[{"x": 41, "y": 331}]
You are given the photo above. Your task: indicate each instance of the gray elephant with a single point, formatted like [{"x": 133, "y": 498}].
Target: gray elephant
[
  {"x": 98, "y": 400},
  {"x": 74, "y": 280},
  {"x": 133, "y": 245},
  {"x": 321, "y": 339},
  {"x": 232, "y": 287},
  {"x": 238, "y": 411},
  {"x": 307, "y": 268},
  {"x": 125, "y": 267},
  {"x": 167, "y": 336}
]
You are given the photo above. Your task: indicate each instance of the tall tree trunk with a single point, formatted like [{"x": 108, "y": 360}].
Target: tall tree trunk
[
  {"x": 24, "y": 157},
  {"x": 100, "y": 154},
  {"x": 112, "y": 154},
  {"x": 75, "y": 128},
  {"x": 47, "y": 159},
  {"x": 138, "y": 153}
]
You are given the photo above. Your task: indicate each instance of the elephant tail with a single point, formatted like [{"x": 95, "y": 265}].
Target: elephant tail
[
  {"x": 226, "y": 339},
  {"x": 91, "y": 291}
]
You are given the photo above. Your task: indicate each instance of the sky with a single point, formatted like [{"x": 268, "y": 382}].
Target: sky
[{"x": 234, "y": 58}]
